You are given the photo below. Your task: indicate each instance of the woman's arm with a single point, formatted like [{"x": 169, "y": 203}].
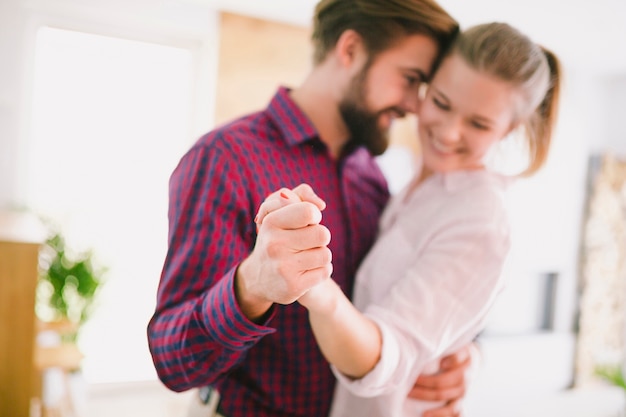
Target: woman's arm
[
  {"x": 436, "y": 306},
  {"x": 348, "y": 339}
]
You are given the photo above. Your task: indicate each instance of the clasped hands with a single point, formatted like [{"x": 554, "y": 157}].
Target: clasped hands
[
  {"x": 291, "y": 257},
  {"x": 291, "y": 253}
]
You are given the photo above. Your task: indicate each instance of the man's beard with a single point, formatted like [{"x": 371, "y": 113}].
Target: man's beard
[{"x": 361, "y": 122}]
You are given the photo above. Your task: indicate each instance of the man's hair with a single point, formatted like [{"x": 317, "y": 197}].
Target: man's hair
[{"x": 380, "y": 23}]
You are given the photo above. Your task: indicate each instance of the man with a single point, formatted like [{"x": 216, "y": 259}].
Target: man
[{"x": 225, "y": 315}]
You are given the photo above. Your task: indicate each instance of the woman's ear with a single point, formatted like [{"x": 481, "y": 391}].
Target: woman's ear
[
  {"x": 512, "y": 129},
  {"x": 350, "y": 49}
]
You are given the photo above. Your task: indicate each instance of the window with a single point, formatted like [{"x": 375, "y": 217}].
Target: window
[{"x": 110, "y": 119}]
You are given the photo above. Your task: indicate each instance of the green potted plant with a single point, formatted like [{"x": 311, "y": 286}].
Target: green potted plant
[
  {"x": 68, "y": 285},
  {"x": 66, "y": 292}
]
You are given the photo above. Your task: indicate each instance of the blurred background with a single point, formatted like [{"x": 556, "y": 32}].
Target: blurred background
[{"x": 99, "y": 100}]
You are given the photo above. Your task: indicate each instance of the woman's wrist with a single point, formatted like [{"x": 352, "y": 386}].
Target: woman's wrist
[{"x": 323, "y": 298}]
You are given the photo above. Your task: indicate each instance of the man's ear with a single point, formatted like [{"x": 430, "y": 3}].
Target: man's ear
[{"x": 350, "y": 49}]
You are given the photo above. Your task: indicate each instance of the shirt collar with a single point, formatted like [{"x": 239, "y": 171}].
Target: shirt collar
[
  {"x": 294, "y": 125},
  {"x": 455, "y": 180}
]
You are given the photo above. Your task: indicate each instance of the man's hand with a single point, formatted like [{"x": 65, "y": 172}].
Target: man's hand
[
  {"x": 290, "y": 255},
  {"x": 448, "y": 385}
]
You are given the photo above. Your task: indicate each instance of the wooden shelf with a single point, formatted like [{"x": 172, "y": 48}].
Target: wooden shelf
[{"x": 20, "y": 239}]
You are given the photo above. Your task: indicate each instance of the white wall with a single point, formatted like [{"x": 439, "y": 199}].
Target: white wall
[
  {"x": 615, "y": 92},
  {"x": 11, "y": 52}
]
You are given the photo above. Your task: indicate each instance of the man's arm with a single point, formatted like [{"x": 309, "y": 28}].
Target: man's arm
[
  {"x": 198, "y": 331},
  {"x": 449, "y": 384},
  {"x": 210, "y": 311}
]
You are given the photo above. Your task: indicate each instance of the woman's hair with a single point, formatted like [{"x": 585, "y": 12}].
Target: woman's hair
[
  {"x": 380, "y": 23},
  {"x": 502, "y": 51}
]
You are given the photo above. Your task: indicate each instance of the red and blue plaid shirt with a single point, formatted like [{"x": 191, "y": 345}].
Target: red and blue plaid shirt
[{"x": 198, "y": 335}]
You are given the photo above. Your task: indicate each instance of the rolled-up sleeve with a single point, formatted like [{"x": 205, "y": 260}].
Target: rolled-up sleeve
[{"x": 441, "y": 300}]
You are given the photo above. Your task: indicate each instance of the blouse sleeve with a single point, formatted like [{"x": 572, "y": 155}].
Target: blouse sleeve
[{"x": 441, "y": 301}]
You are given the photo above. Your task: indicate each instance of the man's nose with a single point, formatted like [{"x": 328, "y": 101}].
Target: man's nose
[
  {"x": 411, "y": 107},
  {"x": 410, "y": 103}
]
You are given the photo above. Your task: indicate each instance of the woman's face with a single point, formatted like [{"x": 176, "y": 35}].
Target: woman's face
[{"x": 463, "y": 114}]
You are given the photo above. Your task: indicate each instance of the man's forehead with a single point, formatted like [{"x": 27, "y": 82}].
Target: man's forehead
[{"x": 414, "y": 53}]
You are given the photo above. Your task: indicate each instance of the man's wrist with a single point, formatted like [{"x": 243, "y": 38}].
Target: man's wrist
[{"x": 252, "y": 306}]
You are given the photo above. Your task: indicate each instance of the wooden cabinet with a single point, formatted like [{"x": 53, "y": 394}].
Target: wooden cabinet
[{"x": 20, "y": 239}]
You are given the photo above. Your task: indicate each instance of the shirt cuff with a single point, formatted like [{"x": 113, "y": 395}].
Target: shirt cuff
[
  {"x": 383, "y": 377},
  {"x": 226, "y": 322}
]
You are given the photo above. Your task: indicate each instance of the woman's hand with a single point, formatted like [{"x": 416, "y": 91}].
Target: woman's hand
[{"x": 284, "y": 197}]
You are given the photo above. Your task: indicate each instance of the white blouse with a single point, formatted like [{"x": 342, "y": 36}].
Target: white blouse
[{"x": 428, "y": 283}]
